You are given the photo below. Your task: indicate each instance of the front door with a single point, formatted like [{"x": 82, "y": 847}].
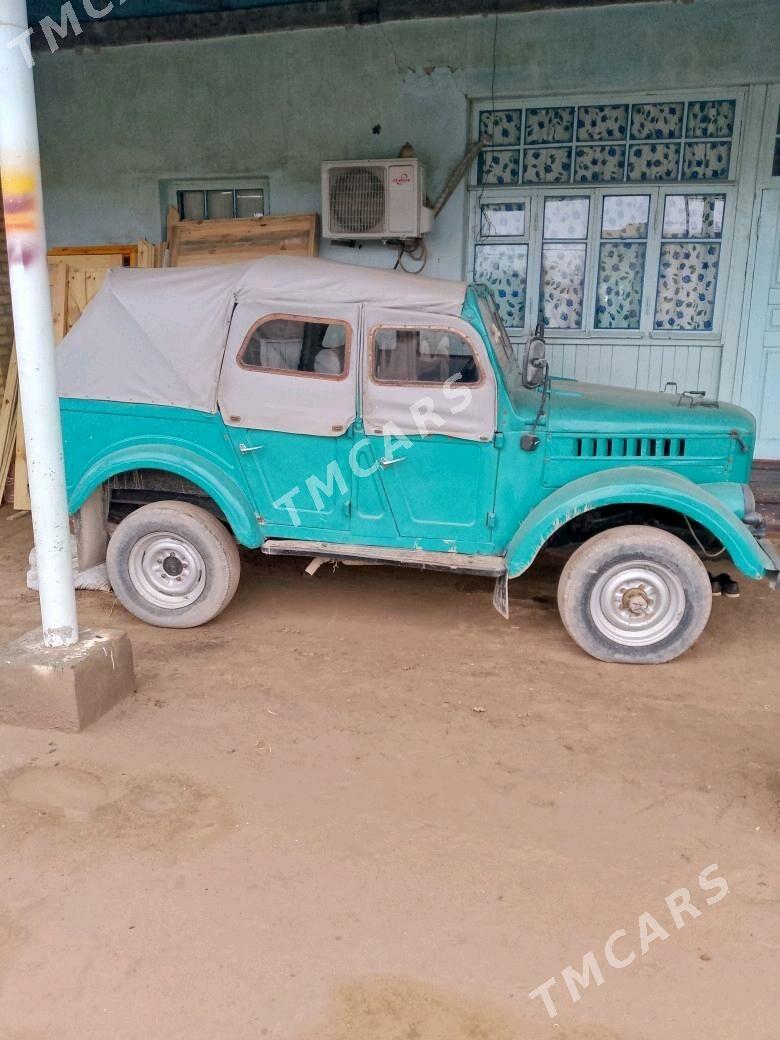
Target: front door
[
  {"x": 761, "y": 380},
  {"x": 429, "y": 413},
  {"x": 287, "y": 395}
]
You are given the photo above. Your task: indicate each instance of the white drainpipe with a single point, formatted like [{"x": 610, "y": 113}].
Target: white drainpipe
[{"x": 31, "y": 299}]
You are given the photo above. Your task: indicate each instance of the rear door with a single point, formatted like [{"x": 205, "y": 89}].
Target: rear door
[
  {"x": 287, "y": 395},
  {"x": 429, "y": 413}
]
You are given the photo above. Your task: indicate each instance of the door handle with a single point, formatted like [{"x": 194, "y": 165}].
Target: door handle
[
  {"x": 384, "y": 463},
  {"x": 245, "y": 450}
]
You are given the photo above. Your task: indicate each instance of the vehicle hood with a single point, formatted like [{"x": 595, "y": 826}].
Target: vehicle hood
[
  {"x": 592, "y": 427},
  {"x": 589, "y": 408}
]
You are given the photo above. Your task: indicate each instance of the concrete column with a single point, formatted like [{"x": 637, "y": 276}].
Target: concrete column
[{"x": 30, "y": 296}]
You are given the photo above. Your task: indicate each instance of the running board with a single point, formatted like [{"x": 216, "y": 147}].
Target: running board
[{"x": 488, "y": 566}]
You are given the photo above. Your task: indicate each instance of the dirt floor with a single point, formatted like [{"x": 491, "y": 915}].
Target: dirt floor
[{"x": 361, "y": 806}]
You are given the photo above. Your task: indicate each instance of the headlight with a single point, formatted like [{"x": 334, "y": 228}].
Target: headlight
[{"x": 751, "y": 517}]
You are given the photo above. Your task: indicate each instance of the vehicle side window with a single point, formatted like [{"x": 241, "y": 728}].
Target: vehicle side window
[
  {"x": 314, "y": 346},
  {"x": 429, "y": 355}
]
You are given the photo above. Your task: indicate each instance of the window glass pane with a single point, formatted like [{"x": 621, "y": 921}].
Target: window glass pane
[
  {"x": 599, "y": 163},
  {"x": 503, "y": 127},
  {"x": 653, "y": 122},
  {"x": 693, "y": 216},
  {"x": 710, "y": 119},
  {"x": 546, "y": 165},
  {"x": 653, "y": 162},
  {"x": 625, "y": 216},
  {"x": 504, "y": 269},
  {"x": 566, "y": 218},
  {"x": 776, "y": 160},
  {"x": 289, "y": 345},
  {"x": 422, "y": 356},
  {"x": 687, "y": 280},
  {"x": 602, "y": 122},
  {"x": 619, "y": 289},
  {"x": 706, "y": 160},
  {"x": 192, "y": 205},
  {"x": 250, "y": 202},
  {"x": 502, "y": 218},
  {"x": 643, "y": 141},
  {"x": 219, "y": 204},
  {"x": 548, "y": 125},
  {"x": 498, "y": 166},
  {"x": 563, "y": 280}
]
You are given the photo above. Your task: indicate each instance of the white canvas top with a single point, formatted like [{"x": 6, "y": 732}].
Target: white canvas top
[{"x": 158, "y": 336}]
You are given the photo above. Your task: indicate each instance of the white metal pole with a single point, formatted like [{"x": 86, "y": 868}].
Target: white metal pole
[{"x": 31, "y": 299}]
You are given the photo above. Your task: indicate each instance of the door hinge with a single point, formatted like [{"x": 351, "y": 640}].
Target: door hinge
[
  {"x": 348, "y": 507},
  {"x": 498, "y": 440},
  {"x": 491, "y": 520}
]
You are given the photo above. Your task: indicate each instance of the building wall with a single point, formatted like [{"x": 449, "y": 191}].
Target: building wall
[{"x": 116, "y": 123}]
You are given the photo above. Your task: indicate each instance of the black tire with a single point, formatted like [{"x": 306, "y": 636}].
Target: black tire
[
  {"x": 635, "y": 595},
  {"x": 173, "y": 565}
]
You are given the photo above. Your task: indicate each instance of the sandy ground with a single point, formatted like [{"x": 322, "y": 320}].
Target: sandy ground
[{"x": 361, "y": 806}]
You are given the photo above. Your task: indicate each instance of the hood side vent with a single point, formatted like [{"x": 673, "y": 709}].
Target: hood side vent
[{"x": 629, "y": 447}]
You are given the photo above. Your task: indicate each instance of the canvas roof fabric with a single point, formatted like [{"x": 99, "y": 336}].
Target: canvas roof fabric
[{"x": 158, "y": 336}]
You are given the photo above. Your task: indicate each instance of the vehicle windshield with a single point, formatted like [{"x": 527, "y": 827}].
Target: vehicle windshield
[{"x": 502, "y": 345}]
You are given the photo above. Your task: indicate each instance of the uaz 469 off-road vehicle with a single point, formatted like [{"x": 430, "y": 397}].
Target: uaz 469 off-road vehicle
[{"x": 307, "y": 407}]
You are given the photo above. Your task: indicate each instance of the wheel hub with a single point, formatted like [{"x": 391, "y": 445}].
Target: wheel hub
[
  {"x": 173, "y": 566},
  {"x": 167, "y": 570},
  {"x": 637, "y": 603}
]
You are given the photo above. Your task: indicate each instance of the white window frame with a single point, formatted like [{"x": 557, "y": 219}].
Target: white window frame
[
  {"x": 534, "y": 195},
  {"x": 169, "y": 189}
]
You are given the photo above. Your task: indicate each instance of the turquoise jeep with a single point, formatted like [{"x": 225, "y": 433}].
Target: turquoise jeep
[{"x": 311, "y": 408}]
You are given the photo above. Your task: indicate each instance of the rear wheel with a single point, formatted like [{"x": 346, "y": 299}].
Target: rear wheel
[
  {"x": 636, "y": 595},
  {"x": 173, "y": 564}
]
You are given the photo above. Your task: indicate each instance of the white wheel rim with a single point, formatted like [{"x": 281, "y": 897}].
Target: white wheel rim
[
  {"x": 638, "y": 603},
  {"x": 167, "y": 570}
]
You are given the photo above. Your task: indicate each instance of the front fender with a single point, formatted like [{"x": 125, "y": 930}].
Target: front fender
[
  {"x": 219, "y": 485},
  {"x": 635, "y": 485}
]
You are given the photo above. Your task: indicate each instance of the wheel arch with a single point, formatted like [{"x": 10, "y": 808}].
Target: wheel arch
[
  {"x": 220, "y": 486},
  {"x": 637, "y": 486}
]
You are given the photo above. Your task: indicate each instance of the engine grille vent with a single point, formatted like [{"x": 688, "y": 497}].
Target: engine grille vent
[{"x": 629, "y": 447}]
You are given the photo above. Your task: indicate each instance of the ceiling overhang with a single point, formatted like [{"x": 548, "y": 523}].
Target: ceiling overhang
[{"x": 237, "y": 18}]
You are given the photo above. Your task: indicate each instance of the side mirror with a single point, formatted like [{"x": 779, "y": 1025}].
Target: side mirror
[{"x": 534, "y": 361}]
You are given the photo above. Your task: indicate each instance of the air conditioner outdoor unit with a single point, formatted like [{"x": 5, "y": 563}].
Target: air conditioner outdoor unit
[{"x": 374, "y": 198}]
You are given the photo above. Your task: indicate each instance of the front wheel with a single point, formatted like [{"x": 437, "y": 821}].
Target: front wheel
[
  {"x": 636, "y": 595},
  {"x": 173, "y": 564}
]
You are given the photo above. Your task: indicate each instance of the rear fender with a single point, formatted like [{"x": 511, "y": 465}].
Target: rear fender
[
  {"x": 219, "y": 485},
  {"x": 637, "y": 485}
]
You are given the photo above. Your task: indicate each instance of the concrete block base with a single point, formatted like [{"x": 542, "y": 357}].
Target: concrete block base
[{"x": 66, "y": 687}]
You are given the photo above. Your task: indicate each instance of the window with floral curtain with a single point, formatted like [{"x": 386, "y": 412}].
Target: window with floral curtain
[{"x": 602, "y": 217}]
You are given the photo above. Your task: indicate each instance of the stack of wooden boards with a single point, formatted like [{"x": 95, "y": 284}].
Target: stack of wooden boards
[
  {"x": 197, "y": 242},
  {"x": 76, "y": 273},
  {"x": 9, "y": 411}
]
